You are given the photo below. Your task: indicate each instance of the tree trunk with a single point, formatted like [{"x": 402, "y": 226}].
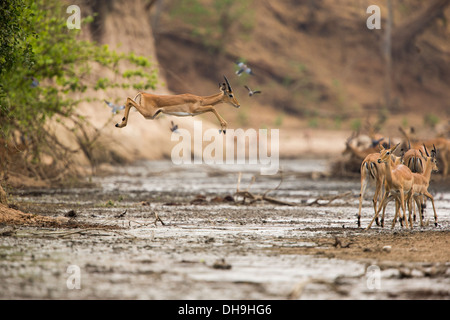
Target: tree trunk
[{"x": 404, "y": 34}]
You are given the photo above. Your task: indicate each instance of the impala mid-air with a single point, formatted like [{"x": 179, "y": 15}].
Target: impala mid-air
[{"x": 181, "y": 105}]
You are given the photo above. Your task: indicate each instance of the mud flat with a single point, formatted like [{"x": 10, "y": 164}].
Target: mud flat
[{"x": 207, "y": 244}]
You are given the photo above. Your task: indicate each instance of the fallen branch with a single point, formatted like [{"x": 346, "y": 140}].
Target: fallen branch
[
  {"x": 158, "y": 219},
  {"x": 329, "y": 199},
  {"x": 245, "y": 194}
]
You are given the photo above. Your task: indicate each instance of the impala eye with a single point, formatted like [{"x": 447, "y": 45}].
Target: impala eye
[{"x": 231, "y": 96}]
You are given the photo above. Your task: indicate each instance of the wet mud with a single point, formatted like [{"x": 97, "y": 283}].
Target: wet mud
[{"x": 155, "y": 230}]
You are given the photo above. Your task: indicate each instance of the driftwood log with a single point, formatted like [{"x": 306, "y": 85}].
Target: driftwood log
[{"x": 245, "y": 194}]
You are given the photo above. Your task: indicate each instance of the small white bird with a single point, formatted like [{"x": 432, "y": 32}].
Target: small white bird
[
  {"x": 114, "y": 107},
  {"x": 243, "y": 68},
  {"x": 251, "y": 92}
]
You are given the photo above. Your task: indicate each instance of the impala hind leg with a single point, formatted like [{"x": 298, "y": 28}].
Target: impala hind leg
[
  {"x": 384, "y": 208},
  {"x": 429, "y": 196},
  {"x": 403, "y": 207},
  {"x": 383, "y": 204},
  {"x": 364, "y": 181},
  {"x": 419, "y": 208},
  {"x": 148, "y": 113},
  {"x": 378, "y": 189},
  {"x": 409, "y": 202}
]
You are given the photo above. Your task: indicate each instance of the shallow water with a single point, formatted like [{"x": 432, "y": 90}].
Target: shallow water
[{"x": 182, "y": 259}]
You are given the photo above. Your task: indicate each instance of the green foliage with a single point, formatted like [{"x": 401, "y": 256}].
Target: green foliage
[
  {"x": 36, "y": 44},
  {"x": 15, "y": 29},
  {"x": 46, "y": 50}
]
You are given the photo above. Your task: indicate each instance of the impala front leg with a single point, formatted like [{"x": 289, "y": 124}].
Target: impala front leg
[{"x": 223, "y": 123}]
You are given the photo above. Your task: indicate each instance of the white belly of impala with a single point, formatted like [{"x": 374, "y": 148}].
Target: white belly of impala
[{"x": 180, "y": 114}]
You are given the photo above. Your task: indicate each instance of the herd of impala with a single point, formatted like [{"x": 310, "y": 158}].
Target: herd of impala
[{"x": 401, "y": 173}]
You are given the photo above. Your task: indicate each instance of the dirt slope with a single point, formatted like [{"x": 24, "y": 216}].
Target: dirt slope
[{"x": 317, "y": 64}]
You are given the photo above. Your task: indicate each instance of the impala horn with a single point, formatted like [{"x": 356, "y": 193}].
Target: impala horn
[
  {"x": 434, "y": 151},
  {"x": 426, "y": 150},
  {"x": 228, "y": 84}
]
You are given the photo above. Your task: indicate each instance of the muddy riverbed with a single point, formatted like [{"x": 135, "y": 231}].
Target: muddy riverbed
[{"x": 207, "y": 244}]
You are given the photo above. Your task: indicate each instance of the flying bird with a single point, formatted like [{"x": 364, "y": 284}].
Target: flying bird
[
  {"x": 251, "y": 92},
  {"x": 34, "y": 82},
  {"x": 174, "y": 127},
  {"x": 243, "y": 68},
  {"x": 114, "y": 107}
]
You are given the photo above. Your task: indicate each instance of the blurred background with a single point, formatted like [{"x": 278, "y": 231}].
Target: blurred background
[{"x": 324, "y": 76}]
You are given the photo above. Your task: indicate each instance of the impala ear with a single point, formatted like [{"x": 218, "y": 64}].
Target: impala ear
[{"x": 395, "y": 148}]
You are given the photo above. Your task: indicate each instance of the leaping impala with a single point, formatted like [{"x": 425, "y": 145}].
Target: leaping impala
[{"x": 181, "y": 105}]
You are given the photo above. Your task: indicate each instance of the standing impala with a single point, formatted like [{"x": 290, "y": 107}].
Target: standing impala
[
  {"x": 422, "y": 182},
  {"x": 181, "y": 105},
  {"x": 398, "y": 181},
  {"x": 371, "y": 169}
]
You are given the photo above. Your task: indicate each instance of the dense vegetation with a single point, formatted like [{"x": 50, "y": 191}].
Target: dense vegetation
[{"x": 44, "y": 66}]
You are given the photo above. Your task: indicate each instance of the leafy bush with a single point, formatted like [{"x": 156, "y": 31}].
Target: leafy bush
[{"x": 45, "y": 71}]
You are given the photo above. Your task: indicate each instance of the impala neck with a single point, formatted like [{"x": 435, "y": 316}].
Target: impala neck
[
  {"x": 213, "y": 99},
  {"x": 389, "y": 164},
  {"x": 427, "y": 169}
]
